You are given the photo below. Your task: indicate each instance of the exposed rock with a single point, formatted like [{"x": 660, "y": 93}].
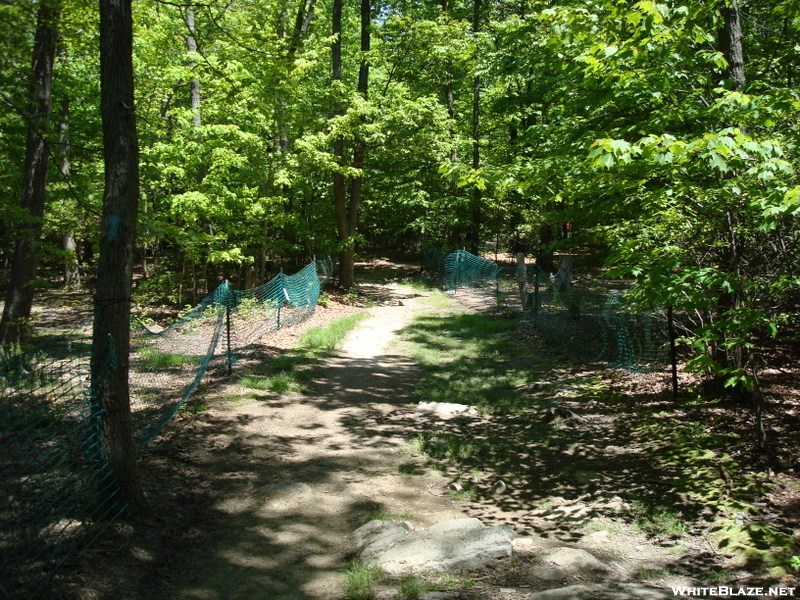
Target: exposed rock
[
  {"x": 524, "y": 544},
  {"x": 546, "y": 573},
  {"x": 599, "y": 591},
  {"x": 447, "y": 409},
  {"x": 499, "y": 487},
  {"x": 456, "y": 546},
  {"x": 372, "y": 537},
  {"x": 575, "y": 559}
]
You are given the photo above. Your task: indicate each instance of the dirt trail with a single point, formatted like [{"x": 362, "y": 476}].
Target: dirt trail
[
  {"x": 256, "y": 497},
  {"x": 326, "y": 463}
]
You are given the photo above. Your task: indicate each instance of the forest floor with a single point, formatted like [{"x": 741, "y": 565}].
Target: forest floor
[{"x": 255, "y": 494}]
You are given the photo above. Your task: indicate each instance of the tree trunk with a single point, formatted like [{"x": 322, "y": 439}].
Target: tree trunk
[
  {"x": 450, "y": 99},
  {"x": 19, "y": 299},
  {"x": 346, "y": 258},
  {"x": 730, "y": 41},
  {"x": 544, "y": 255},
  {"x": 339, "y": 187},
  {"x": 736, "y": 357},
  {"x": 72, "y": 277},
  {"x": 346, "y": 205},
  {"x": 111, "y": 335},
  {"x": 194, "y": 87},
  {"x": 474, "y": 233}
]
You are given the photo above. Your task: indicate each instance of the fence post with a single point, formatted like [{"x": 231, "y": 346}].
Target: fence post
[
  {"x": 535, "y": 303},
  {"x": 280, "y": 301},
  {"x": 522, "y": 280},
  {"x": 228, "y": 298},
  {"x": 673, "y": 355}
]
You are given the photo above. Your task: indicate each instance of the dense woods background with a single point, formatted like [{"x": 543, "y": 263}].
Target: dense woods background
[{"x": 656, "y": 139}]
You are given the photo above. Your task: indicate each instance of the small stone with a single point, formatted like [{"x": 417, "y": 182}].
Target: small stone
[
  {"x": 499, "y": 487},
  {"x": 379, "y": 532},
  {"x": 575, "y": 558},
  {"x": 524, "y": 543}
]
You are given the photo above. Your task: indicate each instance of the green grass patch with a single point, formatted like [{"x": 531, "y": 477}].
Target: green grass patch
[
  {"x": 445, "y": 445},
  {"x": 326, "y": 339},
  {"x": 706, "y": 477},
  {"x": 657, "y": 521},
  {"x": 449, "y": 582},
  {"x": 293, "y": 371},
  {"x": 360, "y": 580},
  {"x": 381, "y": 515},
  {"x": 287, "y": 362},
  {"x": 601, "y": 525},
  {"x": 195, "y": 407},
  {"x": 469, "y": 359},
  {"x": 760, "y": 542},
  {"x": 281, "y": 383},
  {"x": 411, "y": 587},
  {"x": 155, "y": 360},
  {"x": 718, "y": 576}
]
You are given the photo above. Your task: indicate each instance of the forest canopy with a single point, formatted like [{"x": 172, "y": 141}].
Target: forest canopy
[{"x": 665, "y": 134}]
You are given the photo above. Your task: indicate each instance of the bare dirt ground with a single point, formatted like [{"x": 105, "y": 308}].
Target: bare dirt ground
[
  {"x": 255, "y": 498},
  {"x": 219, "y": 533}
]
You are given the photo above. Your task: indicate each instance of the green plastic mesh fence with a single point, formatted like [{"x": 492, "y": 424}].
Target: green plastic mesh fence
[
  {"x": 463, "y": 269},
  {"x": 168, "y": 365},
  {"x": 590, "y": 325},
  {"x": 58, "y": 489},
  {"x": 597, "y": 326}
]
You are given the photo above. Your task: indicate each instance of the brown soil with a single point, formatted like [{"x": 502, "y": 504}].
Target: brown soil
[{"x": 218, "y": 533}]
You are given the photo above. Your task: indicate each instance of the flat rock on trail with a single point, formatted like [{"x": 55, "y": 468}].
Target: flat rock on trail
[{"x": 290, "y": 478}]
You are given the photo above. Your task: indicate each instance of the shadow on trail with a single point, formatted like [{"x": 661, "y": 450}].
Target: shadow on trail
[
  {"x": 257, "y": 500},
  {"x": 620, "y": 457},
  {"x": 225, "y": 529}
]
